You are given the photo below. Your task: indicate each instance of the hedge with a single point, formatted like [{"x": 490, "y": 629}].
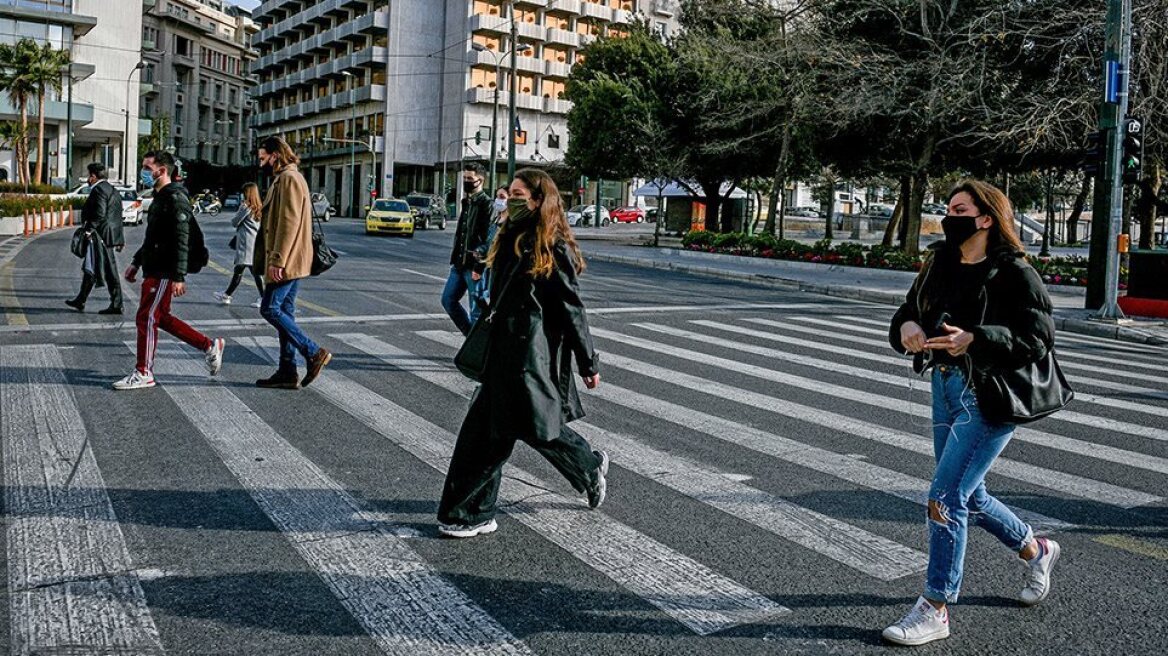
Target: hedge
[
  {"x": 17, "y": 188},
  {"x": 1055, "y": 271},
  {"x": 17, "y": 204}
]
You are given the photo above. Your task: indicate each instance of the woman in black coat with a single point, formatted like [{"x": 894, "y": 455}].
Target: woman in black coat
[
  {"x": 538, "y": 327},
  {"x": 977, "y": 307}
]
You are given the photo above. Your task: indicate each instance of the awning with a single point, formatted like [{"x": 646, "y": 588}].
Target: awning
[{"x": 676, "y": 190}]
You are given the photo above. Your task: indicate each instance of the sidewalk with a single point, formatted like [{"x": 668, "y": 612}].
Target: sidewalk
[{"x": 871, "y": 285}]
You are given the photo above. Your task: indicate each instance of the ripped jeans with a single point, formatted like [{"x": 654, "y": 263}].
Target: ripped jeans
[{"x": 965, "y": 446}]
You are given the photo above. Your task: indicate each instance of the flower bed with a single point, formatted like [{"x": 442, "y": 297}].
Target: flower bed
[{"x": 1054, "y": 271}]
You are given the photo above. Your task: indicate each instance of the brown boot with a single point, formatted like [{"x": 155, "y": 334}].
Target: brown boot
[{"x": 315, "y": 364}]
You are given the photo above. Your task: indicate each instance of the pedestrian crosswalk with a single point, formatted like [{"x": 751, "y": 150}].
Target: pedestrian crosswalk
[{"x": 814, "y": 393}]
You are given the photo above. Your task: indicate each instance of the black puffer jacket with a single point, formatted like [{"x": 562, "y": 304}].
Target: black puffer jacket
[
  {"x": 538, "y": 329},
  {"x": 166, "y": 248},
  {"x": 478, "y": 213},
  {"x": 1016, "y": 328}
]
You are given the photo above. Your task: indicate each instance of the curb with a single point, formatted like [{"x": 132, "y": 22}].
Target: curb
[{"x": 1067, "y": 324}]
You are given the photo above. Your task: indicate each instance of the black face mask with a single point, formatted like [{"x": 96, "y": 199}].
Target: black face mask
[
  {"x": 469, "y": 187},
  {"x": 958, "y": 229}
]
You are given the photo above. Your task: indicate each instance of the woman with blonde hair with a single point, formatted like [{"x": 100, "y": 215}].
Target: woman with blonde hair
[
  {"x": 247, "y": 226},
  {"x": 976, "y": 311},
  {"x": 537, "y": 327}
]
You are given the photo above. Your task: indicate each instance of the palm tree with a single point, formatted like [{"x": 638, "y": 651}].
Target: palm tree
[
  {"x": 12, "y": 136},
  {"x": 16, "y": 63},
  {"x": 46, "y": 74}
]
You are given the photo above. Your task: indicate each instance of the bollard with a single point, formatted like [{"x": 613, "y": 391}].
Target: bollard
[
  {"x": 26, "y": 224},
  {"x": 70, "y": 216}
]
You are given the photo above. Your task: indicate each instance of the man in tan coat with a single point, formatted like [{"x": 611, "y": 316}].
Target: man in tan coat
[{"x": 284, "y": 249}]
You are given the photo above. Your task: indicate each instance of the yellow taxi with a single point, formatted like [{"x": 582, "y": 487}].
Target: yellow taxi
[{"x": 389, "y": 216}]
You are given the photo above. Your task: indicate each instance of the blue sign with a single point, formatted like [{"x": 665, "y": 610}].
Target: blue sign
[{"x": 1111, "y": 81}]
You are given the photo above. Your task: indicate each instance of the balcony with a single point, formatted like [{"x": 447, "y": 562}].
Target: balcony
[
  {"x": 316, "y": 10},
  {"x": 364, "y": 57},
  {"x": 530, "y": 65},
  {"x": 182, "y": 61},
  {"x": 564, "y": 6},
  {"x": 556, "y": 106},
  {"x": 479, "y": 95},
  {"x": 532, "y": 31},
  {"x": 492, "y": 24},
  {"x": 149, "y": 44},
  {"x": 528, "y": 101},
  {"x": 368, "y": 93},
  {"x": 476, "y": 58},
  {"x": 369, "y": 23},
  {"x": 587, "y": 40},
  {"x": 599, "y": 12},
  {"x": 622, "y": 17},
  {"x": 563, "y": 37},
  {"x": 557, "y": 69},
  {"x": 531, "y": 3}
]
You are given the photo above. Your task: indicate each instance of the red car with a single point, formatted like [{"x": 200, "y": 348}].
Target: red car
[{"x": 628, "y": 215}]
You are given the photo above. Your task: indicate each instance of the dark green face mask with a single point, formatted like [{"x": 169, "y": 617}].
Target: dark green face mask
[{"x": 518, "y": 211}]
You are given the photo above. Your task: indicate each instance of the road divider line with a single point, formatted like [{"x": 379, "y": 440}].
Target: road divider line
[
  {"x": 1133, "y": 545},
  {"x": 699, "y": 598},
  {"x": 72, "y": 587},
  {"x": 404, "y": 605},
  {"x": 425, "y": 275},
  {"x": 842, "y": 542},
  {"x": 844, "y": 467}
]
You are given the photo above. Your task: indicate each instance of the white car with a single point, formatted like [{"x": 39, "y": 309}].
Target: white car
[
  {"x": 584, "y": 215},
  {"x": 132, "y": 211}
]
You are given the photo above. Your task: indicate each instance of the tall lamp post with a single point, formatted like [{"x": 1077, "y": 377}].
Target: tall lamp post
[
  {"x": 478, "y": 47},
  {"x": 125, "y": 135},
  {"x": 353, "y": 146}
]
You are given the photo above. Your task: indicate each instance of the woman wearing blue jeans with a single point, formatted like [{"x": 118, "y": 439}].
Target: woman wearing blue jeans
[{"x": 977, "y": 305}]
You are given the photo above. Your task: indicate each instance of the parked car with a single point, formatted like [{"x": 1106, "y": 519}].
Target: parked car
[
  {"x": 428, "y": 210},
  {"x": 628, "y": 214},
  {"x": 651, "y": 214},
  {"x": 935, "y": 208},
  {"x": 232, "y": 203},
  {"x": 390, "y": 216},
  {"x": 132, "y": 213},
  {"x": 806, "y": 212},
  {"x": 145, "y": 198},
  {"x": 584, "y": 215},
  {"x": 321, "y": 208},
  {"x": 880, "y": 211}
]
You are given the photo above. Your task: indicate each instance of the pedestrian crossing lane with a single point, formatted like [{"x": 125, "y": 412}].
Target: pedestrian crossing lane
[{"x": 691, "y": 593}]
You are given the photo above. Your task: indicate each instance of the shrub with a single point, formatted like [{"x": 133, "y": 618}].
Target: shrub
[
  {"x": 698, "y": 238},
  {"x": 17, "y": 188},
  {"x": 17, "y": 204},
  {"x": 727, "y": 240}
]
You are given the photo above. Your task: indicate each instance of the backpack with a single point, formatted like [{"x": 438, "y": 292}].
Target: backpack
[{"x": 197, "y": 254}]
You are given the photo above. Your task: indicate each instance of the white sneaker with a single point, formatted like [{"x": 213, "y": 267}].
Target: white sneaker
[
  {"x": 136, "y": 380},
  {"x": 215, "y": 355},
  {"x": 223, "y": 299},
  {"x": 460, "y": 531},
  {"x": 259, "y": 302},
  {"x": 923, "y": 624},
  {"x": 1038, "y": 579}
]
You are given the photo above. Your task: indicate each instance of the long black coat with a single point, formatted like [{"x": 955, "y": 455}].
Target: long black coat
[
  {"x": 102, "y": 213},
  {"x": 539, "y": 326}
]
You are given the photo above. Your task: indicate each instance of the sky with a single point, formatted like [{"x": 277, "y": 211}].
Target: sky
[{"x": 247, "y": 4}]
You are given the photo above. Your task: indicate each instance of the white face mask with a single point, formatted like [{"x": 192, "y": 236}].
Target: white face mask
[{"x": 500, "y": 204}]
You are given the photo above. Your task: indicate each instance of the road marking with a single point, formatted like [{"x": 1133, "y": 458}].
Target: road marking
[
  {"x": 1132, "y": 545},
  {"x": 849, "y": 468},
  {"x": 72, "y": 585},
  {"x": 900, "y": 361},
  {"x": 844, "y": 543},
  {"x": 1024, "y": 434},
  {"x": 300, "y": 301},
  {"x": 425, "y": 275},
  {"x": 13, "y": 314},
  {"x": 1055, "y": 480},
  {"x": 699, "y": 598},
  {"x": 841, "y": 323},
  {"x": 404, "y": 605}
]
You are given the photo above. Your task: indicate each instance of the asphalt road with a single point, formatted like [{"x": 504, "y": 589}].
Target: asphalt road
[{"x": 769, "y": 462}]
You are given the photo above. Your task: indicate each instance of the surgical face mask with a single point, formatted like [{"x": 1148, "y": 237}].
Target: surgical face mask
[
  {"x": 518, "y": 210},
  {"x": 500, "y": 205},
  {"x": 146, "y": 177},
  {"x": 470, "y": 186},
  {"x": 958, "y": 229}
]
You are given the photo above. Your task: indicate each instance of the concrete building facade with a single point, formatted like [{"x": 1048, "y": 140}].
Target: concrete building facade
[
  {"x": 415, "y": 84},
  {"x": 104, "y": 40},
  {"x": 198, "y": 77}
]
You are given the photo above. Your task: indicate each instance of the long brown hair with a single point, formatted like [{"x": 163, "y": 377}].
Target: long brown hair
[
  {"x": 275, "y": 145},
  {"x": 251, "y": 200},
  {"x": 991, "y": 202},
  {"x": 550, "y": 227}
]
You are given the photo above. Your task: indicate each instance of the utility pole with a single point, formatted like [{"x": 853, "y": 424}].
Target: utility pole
[
  {"x": 514, "y": 90},
  {"x": 1107, "y": 217}
]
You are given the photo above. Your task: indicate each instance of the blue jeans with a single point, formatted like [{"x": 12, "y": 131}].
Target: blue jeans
[
  {"x": 965, "y": 446},
  {"x": 458, "y": 284},
  {"x": 279, "y": 308}
]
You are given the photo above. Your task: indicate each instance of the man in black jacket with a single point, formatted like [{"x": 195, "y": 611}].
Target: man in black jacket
[
  {"x": 466, "y": 269},
  {"x": 102, "y": 216},
  {"x": 163, "y": 259}
]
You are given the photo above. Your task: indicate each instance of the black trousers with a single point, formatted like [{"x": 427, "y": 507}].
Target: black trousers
[
  {"x": 113, "y": 281},
  {"x": 237, "y": 275},
  {"x": 476, "y": 469}
]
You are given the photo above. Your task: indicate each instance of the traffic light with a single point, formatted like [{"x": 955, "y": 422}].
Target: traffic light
[
  {"x": 1131, "y": 164},
  {"x": 1092, "y": 159}
]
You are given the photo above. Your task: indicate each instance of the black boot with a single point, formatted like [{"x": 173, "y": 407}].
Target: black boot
[
  {"x": 280, "y": 380},
  {"x": 111, "y": 310},
  {"x": 76, "y": 304}
]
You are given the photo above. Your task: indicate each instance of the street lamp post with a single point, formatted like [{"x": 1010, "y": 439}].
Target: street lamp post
[
  {"x": 353, "y": 147},
  {"x": 125, "y": 135},
  {"x": 511, "y": 99},
  {"x": 478, "y": 47}
]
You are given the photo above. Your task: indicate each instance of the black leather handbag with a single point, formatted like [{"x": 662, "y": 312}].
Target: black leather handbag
[
  {"x": 471, "y": 358},
  {"x": 323, "y": 257},
  {"x": 80, "y": 241},
  {"x": 1023, "y": 395}
]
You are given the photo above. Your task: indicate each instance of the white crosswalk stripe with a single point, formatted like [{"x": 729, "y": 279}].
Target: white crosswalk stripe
[
  {"x": 1024, "y": 434},
  {"x": 693, "y": 594},
  {"x": 72, "y": 586},
  {"x": 842, "y": 542},
  {"x": 400, "y": 601},
  {"x": 1060, "y": 481}
]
